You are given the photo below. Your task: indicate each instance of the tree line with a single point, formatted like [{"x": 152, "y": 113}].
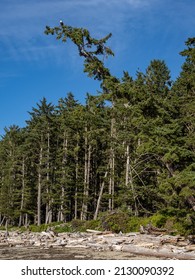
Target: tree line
[{"x": 130, "y": 147}]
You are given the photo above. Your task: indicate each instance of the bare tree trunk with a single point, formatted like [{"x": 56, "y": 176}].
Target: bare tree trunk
[
  {"x": 83, "y": 211},
  {"x": 129, "y": 179},
  {"x": 26, "y": 223},
  {"x": 64, "y": 161},
  {"x": 6, "y": 227},
  {"x": 100, "y": 197},
  {"x": 22, "y": 195},
  {"x": 112, "y": 167},
  {"x": 127, "y": 166},
  {"x": 39, "y": 187},
  {"x": 48, "y": 218},
  {"x": 133, "y": 192},
  {"x": 86, "y": 178},
  {"x": 76, "y": 185},
  {"x": 48, "y": 209},
  {"x": 2, "y": 220}
]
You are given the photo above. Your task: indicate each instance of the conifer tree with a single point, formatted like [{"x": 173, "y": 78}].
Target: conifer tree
[
  {"x": 40, "y": 130},
  {"x": 131, "y": 147},
  {"x": 10, "y": 170},
  {"x": 184, "y": 89},
  {"x": 69, "y": 119}
]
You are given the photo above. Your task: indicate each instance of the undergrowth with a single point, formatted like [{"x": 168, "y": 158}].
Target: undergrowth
[{"x": 118, "y": 221}]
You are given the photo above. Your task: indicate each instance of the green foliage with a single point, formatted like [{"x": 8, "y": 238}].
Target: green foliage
[
  {"x": 130, "y": 147},
  {"x": 158, "y": 220},
  {"x": 88, "y": 47},
  {"x": 78, "y": 225},
  {"x": 116, "y": 221},
  {"x": 134, "y": 223},
  {"x": 35, "y": 228}
]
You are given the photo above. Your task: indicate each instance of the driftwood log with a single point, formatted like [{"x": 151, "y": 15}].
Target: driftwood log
[
  {"x": 149, "y": 229},
  {"x": 161, "y": 253},
  {"x": 160, "y": 246}
]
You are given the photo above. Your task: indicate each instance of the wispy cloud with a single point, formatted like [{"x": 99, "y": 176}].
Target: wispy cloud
[
  {"x": 23, "y": 21},
  {"x": 32, "y": 64}
]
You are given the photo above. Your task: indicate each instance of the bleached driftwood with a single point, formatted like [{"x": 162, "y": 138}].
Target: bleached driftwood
[
  {"x": 157, "y": 246},
  {"x": 163, "y": 253}
]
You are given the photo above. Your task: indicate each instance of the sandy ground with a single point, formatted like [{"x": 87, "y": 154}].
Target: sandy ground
[{"x": 33, "y": 253}]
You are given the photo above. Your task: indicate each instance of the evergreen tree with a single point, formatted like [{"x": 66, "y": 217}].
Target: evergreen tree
[
  {"x": 69, "y": 156},
  {"x": 131, "y": 147},
  {"x": 10, "y": 175},
  {"x": 40, "y": 128},
  {"x": 184, "y": 89}
]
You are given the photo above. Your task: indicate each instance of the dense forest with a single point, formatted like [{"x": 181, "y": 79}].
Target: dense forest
[{"x": 130, "y": 148}]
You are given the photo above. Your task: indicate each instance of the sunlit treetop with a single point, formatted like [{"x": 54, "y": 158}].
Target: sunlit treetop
[{"x": 93, "y": 50}]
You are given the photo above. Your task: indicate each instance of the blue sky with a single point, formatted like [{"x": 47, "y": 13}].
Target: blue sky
[{"x": 33, "y": 65}]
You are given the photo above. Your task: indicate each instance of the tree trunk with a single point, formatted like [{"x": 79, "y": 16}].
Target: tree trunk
[
  {"x": 112, "y": 167},
  {"x": 64, "y": 162},
  {"x": 26, "y": 222},
  {"x": 129, "y": 179},
  {"x": 76, "y": 183},
  {"x": 86, "y": 177},
  {"x": 39, "y": 187},
  {"x": 22, "y": 195},
  {"x": 6, "y": 227},
  {"x": 48, "y": 209},
  {"x": 133, "y": 193},
  {"x": 127, "y": 166},
  {"x": 100, "y": 197}
]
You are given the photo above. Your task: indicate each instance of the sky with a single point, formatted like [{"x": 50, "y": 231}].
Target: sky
[{"x": 33, "y": 65}]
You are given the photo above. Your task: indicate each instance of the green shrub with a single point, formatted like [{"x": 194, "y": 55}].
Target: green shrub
[
  {"x": 158, "y": 220},
  {"x": 78, "y": 225},
  {"x": 63, "y": 228},
  {"x": 115, "y": 221},
  {"x": 35, "y": 228},
  {"x": 176, "y": 221},
  {"x": 135, "y": 222},
  {"x": 93, "y": 224}
]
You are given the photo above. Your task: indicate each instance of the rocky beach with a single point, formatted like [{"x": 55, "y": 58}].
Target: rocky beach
[{"x": 93, "y": 245}]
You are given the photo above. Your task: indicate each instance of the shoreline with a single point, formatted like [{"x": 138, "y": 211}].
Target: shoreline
[{"x": 93, "y": 245}]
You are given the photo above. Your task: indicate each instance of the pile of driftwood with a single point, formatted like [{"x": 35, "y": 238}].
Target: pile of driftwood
[{"x": 147, "y": 242}]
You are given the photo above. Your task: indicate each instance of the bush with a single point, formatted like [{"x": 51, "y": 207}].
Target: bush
[
  {"x": 115, "y": 221},
  {"x": 35, "y": 228},
  {"x": 135, "y": 222},
  {"x": 63, "y": 228},
  {"x": 78, "y": 225},
  {"x": 174, "y": 220},
  {"x": 158, "y": 220},
  {"x": 93, "y": 224}
]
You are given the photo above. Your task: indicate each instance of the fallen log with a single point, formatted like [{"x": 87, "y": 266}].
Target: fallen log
[
  {"x": 190, "y": 247},
  {"x": 178, "y": 241},
  {"x": 164, "y": 253},
  {"x": 98, "y": 231},
  {"x": 192, "y": 239},
  {"x": 149, "y": 229},
  {"x": 94, "y": 231}
]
